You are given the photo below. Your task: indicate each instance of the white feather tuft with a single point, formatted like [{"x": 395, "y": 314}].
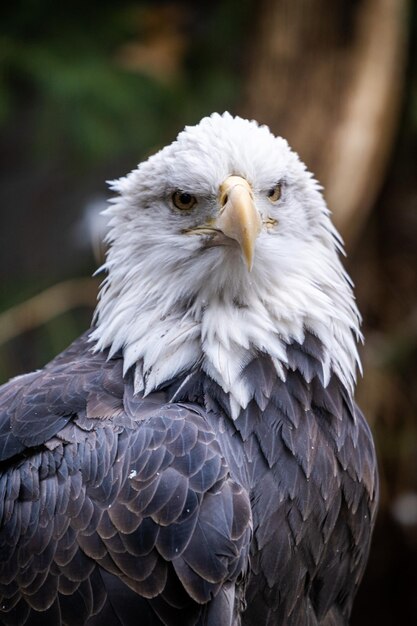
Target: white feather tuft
[{"x": 170, "y": 302}]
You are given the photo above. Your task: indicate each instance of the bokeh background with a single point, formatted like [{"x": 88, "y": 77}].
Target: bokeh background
[{"x": 87, "y": 90}]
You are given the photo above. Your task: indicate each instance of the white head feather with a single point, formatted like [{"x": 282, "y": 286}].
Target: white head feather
[{"x": 170, "y": 302}]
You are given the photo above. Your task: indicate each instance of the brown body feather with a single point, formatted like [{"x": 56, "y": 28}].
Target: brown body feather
[{"x": 118, "y": 509}]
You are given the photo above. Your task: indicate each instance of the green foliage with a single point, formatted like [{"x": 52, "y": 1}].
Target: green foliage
[
  {"x": 62, "y": 66},
  {"x": 81, "y": 103}
]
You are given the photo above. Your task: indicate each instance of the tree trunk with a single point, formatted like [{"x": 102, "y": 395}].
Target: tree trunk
[{"x": 328, "y": 76}]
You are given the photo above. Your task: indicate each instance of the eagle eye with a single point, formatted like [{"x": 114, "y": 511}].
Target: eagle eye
[
  {"x": 274, "y": 193},
  {"x": 183, "y": 200}
]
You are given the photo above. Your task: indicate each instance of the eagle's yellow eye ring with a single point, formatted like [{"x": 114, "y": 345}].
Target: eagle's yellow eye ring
[
  {"x": 183, "y": 200},
  {"x": 274, "y": 193}
]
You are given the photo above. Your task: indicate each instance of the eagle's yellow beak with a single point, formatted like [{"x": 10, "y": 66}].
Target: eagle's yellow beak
[{"x": 238, "y": 217}]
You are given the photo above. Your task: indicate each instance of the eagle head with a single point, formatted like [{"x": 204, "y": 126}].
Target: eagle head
[{"x": 221, "y": 247}]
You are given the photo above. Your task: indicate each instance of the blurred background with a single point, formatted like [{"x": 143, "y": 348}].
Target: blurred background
[{"x": 87, "y": 90}]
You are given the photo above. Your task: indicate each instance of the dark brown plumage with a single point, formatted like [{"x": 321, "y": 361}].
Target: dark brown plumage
[{"x": 114, "y": 505}]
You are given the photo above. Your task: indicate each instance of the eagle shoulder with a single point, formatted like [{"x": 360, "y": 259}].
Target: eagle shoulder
[{"x": 106, "y": 495}]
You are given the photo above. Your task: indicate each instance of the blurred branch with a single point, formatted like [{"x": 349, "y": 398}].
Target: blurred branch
[{"x": 43, "y": 307}]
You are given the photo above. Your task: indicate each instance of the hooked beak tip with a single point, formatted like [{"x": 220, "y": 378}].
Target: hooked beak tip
[{"x": 239, "y": 218}]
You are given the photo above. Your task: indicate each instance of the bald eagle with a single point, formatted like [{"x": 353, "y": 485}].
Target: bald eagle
[{"x": 197, "y": 456}]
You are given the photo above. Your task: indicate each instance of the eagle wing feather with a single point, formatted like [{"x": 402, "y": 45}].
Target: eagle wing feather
[{"x": 91, "y": 507}]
